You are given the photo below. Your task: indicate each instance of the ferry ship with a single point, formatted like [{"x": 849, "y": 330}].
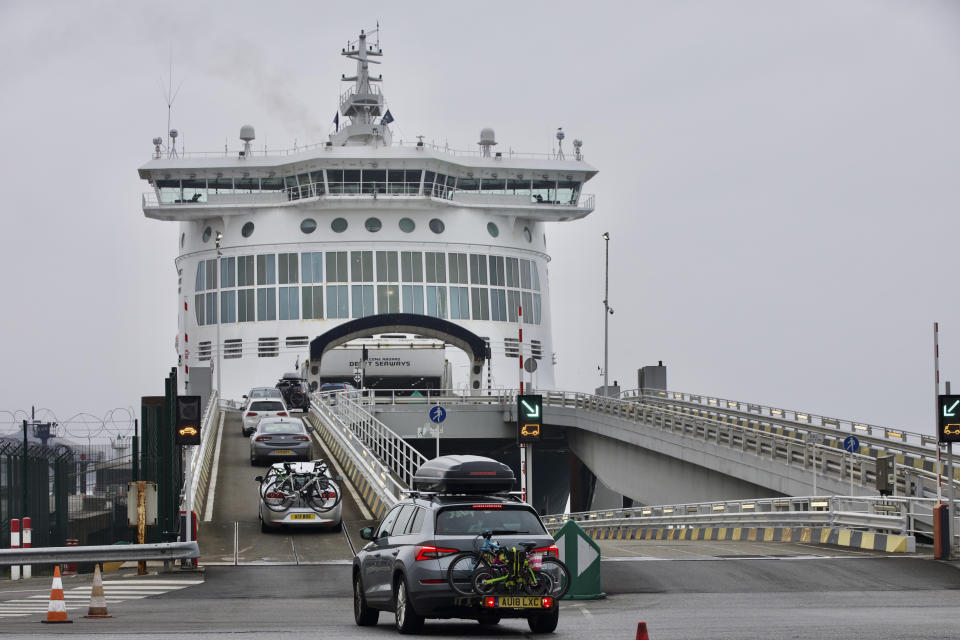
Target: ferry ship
[{"x": 397, "y": 253}]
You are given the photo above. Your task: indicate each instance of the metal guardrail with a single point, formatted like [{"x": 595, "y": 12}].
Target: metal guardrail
[
  {"x": 202, "y": 460},
  {"x": 377, "y": 474},
  {"x": 100, "y": 553}
]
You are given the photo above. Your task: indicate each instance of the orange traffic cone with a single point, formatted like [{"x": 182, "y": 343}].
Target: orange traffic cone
[
  {"x": 642, "y": 631},
  {"x": 98, "y": 603},
  {"x": 57, "y": 610}
]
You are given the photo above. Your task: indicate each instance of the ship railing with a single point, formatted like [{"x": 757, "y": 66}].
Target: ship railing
[{"x": 895, "y": 438}]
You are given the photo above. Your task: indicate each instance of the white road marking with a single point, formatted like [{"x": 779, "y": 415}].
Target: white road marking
[
  {"x": 76, "y": 598},
  {"x": 212, "y": 489},
  {"x": 353, "y": 492}
]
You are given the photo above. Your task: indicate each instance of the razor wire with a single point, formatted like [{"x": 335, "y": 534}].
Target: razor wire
[{"x": 115, "y": 422}]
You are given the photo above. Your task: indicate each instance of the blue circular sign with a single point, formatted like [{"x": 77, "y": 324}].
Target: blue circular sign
[
  {"x": 438, "y": 414},
  {"x": 851, "y": 444}
]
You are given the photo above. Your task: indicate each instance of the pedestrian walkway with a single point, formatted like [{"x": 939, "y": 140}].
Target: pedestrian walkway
[{"x": 115, "y": 591}]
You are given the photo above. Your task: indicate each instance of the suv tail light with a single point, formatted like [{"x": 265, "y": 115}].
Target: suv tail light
[
  {"x": 486, "y": 507},
  {"x": 427, "y": 552},
  {"x": 552, "y": 550},
  {"x": 250, "y": 414},
  {"x": 282, "y": 413},
  {"x": 261, "y": 438}
]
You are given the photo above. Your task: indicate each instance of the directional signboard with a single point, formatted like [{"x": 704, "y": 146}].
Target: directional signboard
[
  {"x": 188, "y": 420},
  {"x": 529, "y": 418},
  {"x": 948, "y": 418},
  {"x": 582, "y": 556}
]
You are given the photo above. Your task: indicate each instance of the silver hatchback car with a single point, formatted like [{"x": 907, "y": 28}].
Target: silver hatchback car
[{"x": 281, "y": 438}]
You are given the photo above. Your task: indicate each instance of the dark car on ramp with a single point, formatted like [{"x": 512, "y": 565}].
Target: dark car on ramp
[{"x": 403, "y": 569}]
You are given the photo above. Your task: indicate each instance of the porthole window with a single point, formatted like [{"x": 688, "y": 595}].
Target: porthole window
[
  {"x": 527, "y": 235},
  {"x": 407, "y": 225},
  {"x": 183, "y": 239},
  {"x": 373, "y": 224},
  {"x": 309, "y": 225},
  {"x": 247, "y": 230},
  {"x": 436, "y": 225},
  {"x": 493, "y": 230},
  {"x": 339, "y": 225},
  {"x": 206, "y": 234}
]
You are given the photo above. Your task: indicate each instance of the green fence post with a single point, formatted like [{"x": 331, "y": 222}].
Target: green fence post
[{"x": 582, "y": 556}]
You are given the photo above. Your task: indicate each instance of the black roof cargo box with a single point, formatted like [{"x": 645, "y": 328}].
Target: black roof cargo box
[{"x": 463, "y": 474}]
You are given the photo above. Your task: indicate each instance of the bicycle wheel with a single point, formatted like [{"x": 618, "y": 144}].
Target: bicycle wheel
[
  {"x": 559, "y": 576},
  {"x": 460, "y": 572},
  {"x": 276, "y": 495},
  {"x": 322, "y": 496},
  {"x": 538, "y": 584},
  {"x": 486, "y": 580}
]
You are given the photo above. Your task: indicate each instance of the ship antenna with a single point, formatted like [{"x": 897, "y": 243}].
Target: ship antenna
[{"x": 170, "y": 96}]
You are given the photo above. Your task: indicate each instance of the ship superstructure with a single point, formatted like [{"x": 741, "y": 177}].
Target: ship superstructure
[{"x": 278, "y": 248}]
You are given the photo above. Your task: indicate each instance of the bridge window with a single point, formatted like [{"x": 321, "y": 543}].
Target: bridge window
[
  {"x": 289, "y": 303},
  {"x": 544, "y": 191},
  {"x": 481, "y": 310},
  {"x": 388, "y": 298},
  {"x": 363, "y": 300},
  {"x": 288, "y": 263},
  {"x": 308, "y": 225},
  {"x": 337, "y": 267},
  {"x": 201, "y": 282},
  {"x": 436, "y": 225},
  {"x": 339, "y": 225},
  {"x": 498, "y": 305},
  {"x": 267, "y": 269},
  {"x": 312, "y": 303},
  {"x": 459, "y": 303},
  {"x": 513, "y": 305},
  {"x": 268, "y": 347},
  {"x": 203, "y": 353},
  {"x": 525, "y": 274},
  {"x": 411, "y": 266},
  {"x": 247, "y": 230},
  {"x": 199, "y": 308},
  {"x": 245, "y": 305},
  {"x": 458, "y": 267},
  {"x": 496, "y": 271},
  {"x": 536, "y": 308},
  {"x": 374, "y": 181},
  {"x": 387, "y": 266},
  {"x": 232, "y": 348},
  {"x": 338, "y": 305},
  {"x": 361, "y": 266},
  {"x": 518, "y": 187},
  {"x": 267, "y": 303},
  {"x": 228, "y": 272},
  {"x": 478, "y": 269},
  {"x": 412, "y": 299},
  {"x": 437, "y": 301},
  {"x": 407, "y": 225},
  {"x": 513, "y": 272},
  {"x": 496, "y": 186},
  {"x": 436, "y": 269},
  {"x": 311, "y": 267},
  {"x": 535, "y": 274},
  {"x": 568, "y": 191},
  {"x": 245, "y": 272},
  {"x": 373, "y": 224},
  {"x": 206, "y": 234},
  {"x": 228, "y": 306},
  {"x": 527, "y": 305},
  {"x": 492, "y": 229}
]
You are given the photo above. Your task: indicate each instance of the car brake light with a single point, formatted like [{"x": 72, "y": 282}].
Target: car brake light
[
  {"x": 330, "y": 495},
  {"x": 490, "y": 602},
  {"x": 547, "y": 602},
  {"x": 301, "y": 438},
  {"x": 250, "y": 414},
  {"x": 552, "y": 550},
  {"x": 488, "y": 506},
  {"x": 427, "y": 552},
  {"x": 275, "y": 496},
  {"x": 281, "y": 413},
  {"x": 261, "y": 438}
]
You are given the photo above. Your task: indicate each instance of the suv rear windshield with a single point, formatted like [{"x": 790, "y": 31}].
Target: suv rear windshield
[
  {"x": 266, "y": 406},
  {"x": 475, "y": 519}
]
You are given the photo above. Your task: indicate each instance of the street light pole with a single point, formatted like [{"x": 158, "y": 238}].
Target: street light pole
[
  {"x": 219, "y": 311},
  {"x": 607, "y": 311}
]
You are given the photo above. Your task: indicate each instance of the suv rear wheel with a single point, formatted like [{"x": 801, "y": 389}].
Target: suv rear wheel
[
  {"x": 407, "y": 619},
  {"x": 545, "y": 622},
  {"x": 362, "y": 614}
]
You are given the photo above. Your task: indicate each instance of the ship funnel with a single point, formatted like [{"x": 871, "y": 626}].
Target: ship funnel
[
  {"x": 487, "y": 140},
  {"x": 247, "y": 135}
]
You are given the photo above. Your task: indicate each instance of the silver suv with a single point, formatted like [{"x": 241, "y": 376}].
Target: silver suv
[{"x": 403, "y": 567}]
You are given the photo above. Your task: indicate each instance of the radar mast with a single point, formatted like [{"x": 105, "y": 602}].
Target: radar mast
[{"x": 363, "y": 102}]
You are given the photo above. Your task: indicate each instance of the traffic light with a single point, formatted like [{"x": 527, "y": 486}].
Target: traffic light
[
  {"x": 948, "y": 418},
  {"x": 187, "y": 427},
  {"x": 529, "y": 418}
]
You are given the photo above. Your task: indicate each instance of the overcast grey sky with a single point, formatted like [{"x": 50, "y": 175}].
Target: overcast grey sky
[{"x": 779, "y": 178}]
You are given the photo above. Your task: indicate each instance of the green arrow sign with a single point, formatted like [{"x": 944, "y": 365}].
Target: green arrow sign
[
  {"x": 952, "y": 411},
  {"x": 532, "y": 412}
]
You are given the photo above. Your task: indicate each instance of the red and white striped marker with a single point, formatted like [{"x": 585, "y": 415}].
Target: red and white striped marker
[
  {"x": 27, "y": 539},
  {"x": 15, "y": 544}
]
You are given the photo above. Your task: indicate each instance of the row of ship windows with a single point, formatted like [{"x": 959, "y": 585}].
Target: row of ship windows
[
  {"x": 391, "y": 267},
  {"x": 270, "y": 348},
  {"x": 370, "y": 181},
  {"x": 373, "y": 225},
  {"x": 358, "y": 301}
]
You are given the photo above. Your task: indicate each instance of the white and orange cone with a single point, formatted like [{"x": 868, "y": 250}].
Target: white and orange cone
[
  {"x": 57, "y": 610},
  {"x": 98, "y": 603}
]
